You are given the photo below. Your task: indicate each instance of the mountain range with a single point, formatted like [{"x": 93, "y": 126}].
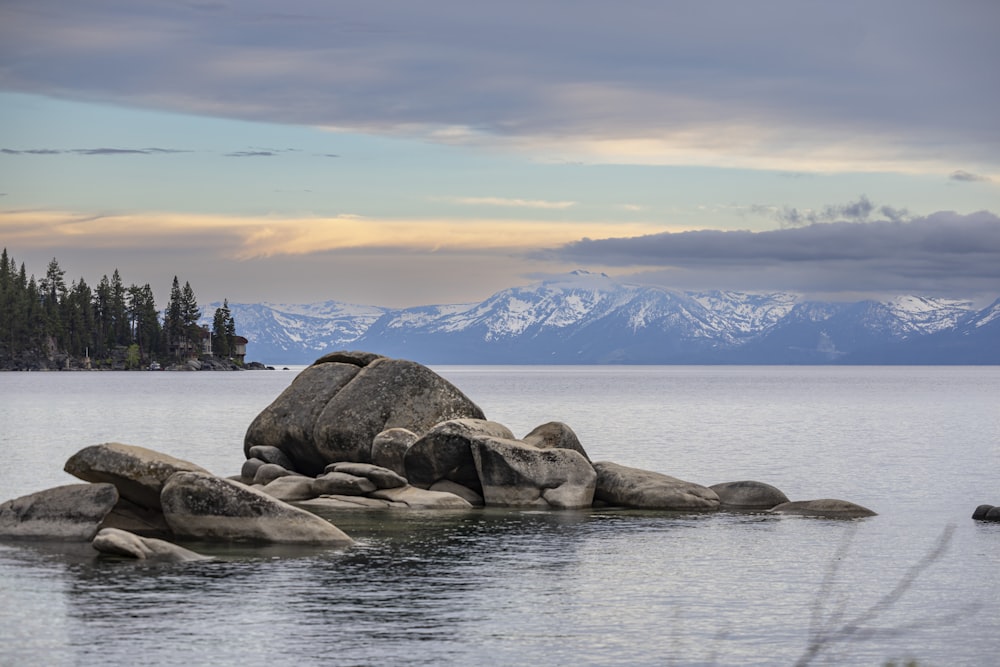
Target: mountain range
[{"x": 589, "y": 318}]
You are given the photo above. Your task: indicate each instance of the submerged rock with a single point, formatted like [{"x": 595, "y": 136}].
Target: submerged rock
[
  {"x": 73, "y": 512},
  {"x": 202, "y": 506},
  {"x": 123, "y": 543},
  {"x": 986, "y": 513},
  {"x": 748, "y": 495},
  {"x": 633, "y": 487},
  {"x": 827, "y": 508}
]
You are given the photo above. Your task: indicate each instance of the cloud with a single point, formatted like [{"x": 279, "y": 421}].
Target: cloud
[
  {"x": 940, "y": 253},
  {"x": 856, "y": 211},
  {"x": 513, "y": 203},
  {"x": 249, "y": 237},
  {"x": 726, "y": 83},
  {"x": 967, "y": 177},
  {"x": 250, "y": 154},
  {"x": 91, "y": 151}
]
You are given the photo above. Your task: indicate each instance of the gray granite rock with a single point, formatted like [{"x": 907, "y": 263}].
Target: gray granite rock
[
  {"x": 72, "y": 513},
  {"x": 634, "y": 487}
]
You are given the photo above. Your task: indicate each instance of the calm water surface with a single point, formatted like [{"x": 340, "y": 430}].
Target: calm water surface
[{"x": 918, "y": 445}]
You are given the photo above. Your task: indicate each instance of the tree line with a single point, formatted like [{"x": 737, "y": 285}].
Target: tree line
[{"x": 48, "y": 317}]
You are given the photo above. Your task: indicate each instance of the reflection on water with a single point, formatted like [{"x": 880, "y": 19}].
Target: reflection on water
[{"x": 596, "y": 587}]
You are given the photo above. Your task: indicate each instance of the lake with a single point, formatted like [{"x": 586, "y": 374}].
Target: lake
[{"x": 919, "y": 445}]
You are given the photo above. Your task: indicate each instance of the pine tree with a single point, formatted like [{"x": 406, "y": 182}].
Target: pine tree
[
  {"x": 173, "y": 320},
  {"x": 221, "y": 339}
]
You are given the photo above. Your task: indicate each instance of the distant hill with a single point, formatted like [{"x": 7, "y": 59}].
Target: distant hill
[{"x": 586, "y": 318}]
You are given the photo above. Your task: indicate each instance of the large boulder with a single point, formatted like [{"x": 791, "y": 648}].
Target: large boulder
[
  {"x": 202, "y": 506},
  {"x": 633, "y": 487},
  {"x": 288, "y": 423},
  {"x": 123, "y": 543},
  {"x": 555, "y": 435},
  {"x": 137, "y": 472},
  {"x": 826, "y": 508},
  {"x": 334, "y": 410},
  {"x": 748, "y": 495},
  {"x": 72, "y": 513},
  {"x": 515, "y": 474},
  {"x": 444, "y": 452}
]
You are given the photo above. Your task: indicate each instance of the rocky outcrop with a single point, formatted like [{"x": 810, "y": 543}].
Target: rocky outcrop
[
  {"x": 633, "y": 487},
  {"x": 986, "y": 513},
  {"x": 334, "y": 409},
  {"x": 117, "y": 542},
  {"x": 202, "y": 506},
  {"x": 72, "y": 513},
  {"x": 826, "y": 508},
  {"x": 748, "y": 495},
  {"x": 138, "y": 473},
  {"x": 445, "y": 453},
  {"x": 515, "y": 474}
]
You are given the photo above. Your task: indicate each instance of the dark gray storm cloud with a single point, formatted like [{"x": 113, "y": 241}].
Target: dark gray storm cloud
[
  {"x": 916, "y": 74},
  {"x": 943, "y": 253}
]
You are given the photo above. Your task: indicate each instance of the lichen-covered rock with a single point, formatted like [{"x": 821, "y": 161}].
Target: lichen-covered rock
[
  {"x": 73, "y": 512},
  {"x": 555, "y": 435},
  {"x": 288, "y": 423},
  {"x": 335, "y": 408},
  {"x": 633, "y": 487},
  {"x": 444, "y": 452},
  {"x": 748, "y": 495},
  {"x": 138, "y": 473},
  {"x": 202, "y": 506},
  {"x": 387, "y": 393},
  {"x": 827, "y": 508},
  {"x": 382, "y": 478},
  {"x": 389, "y": 447},
  {"x": 123, "y": 543},
  {"x": 515, "y": 474}
]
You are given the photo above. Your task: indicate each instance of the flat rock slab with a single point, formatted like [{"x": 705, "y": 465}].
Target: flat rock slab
[
  {"x": 382, "y": 478},
  {"x": 137, "y": 472},
  {"x": 414, "y": 498},
  {"x": 202, "y": 506},
  {"x": 334, "y": 502},
  {"x": 72, "y": 513},
  {"x": 123, "y": 543},
  {"x": 644, "y": 489},
  {"x": 827, "y": 508}
]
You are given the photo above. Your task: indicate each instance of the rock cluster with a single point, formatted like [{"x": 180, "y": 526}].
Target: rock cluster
[{"x": 356, "y": 431}]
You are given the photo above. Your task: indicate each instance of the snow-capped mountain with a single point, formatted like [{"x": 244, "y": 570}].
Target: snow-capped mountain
[{"x": 587, "y": 318}]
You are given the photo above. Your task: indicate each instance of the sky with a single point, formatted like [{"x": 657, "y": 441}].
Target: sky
[{"x": 397, "y": 153}]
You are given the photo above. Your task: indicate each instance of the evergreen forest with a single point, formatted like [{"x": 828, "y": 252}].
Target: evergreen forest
[{"x": 46, "y": 322}]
